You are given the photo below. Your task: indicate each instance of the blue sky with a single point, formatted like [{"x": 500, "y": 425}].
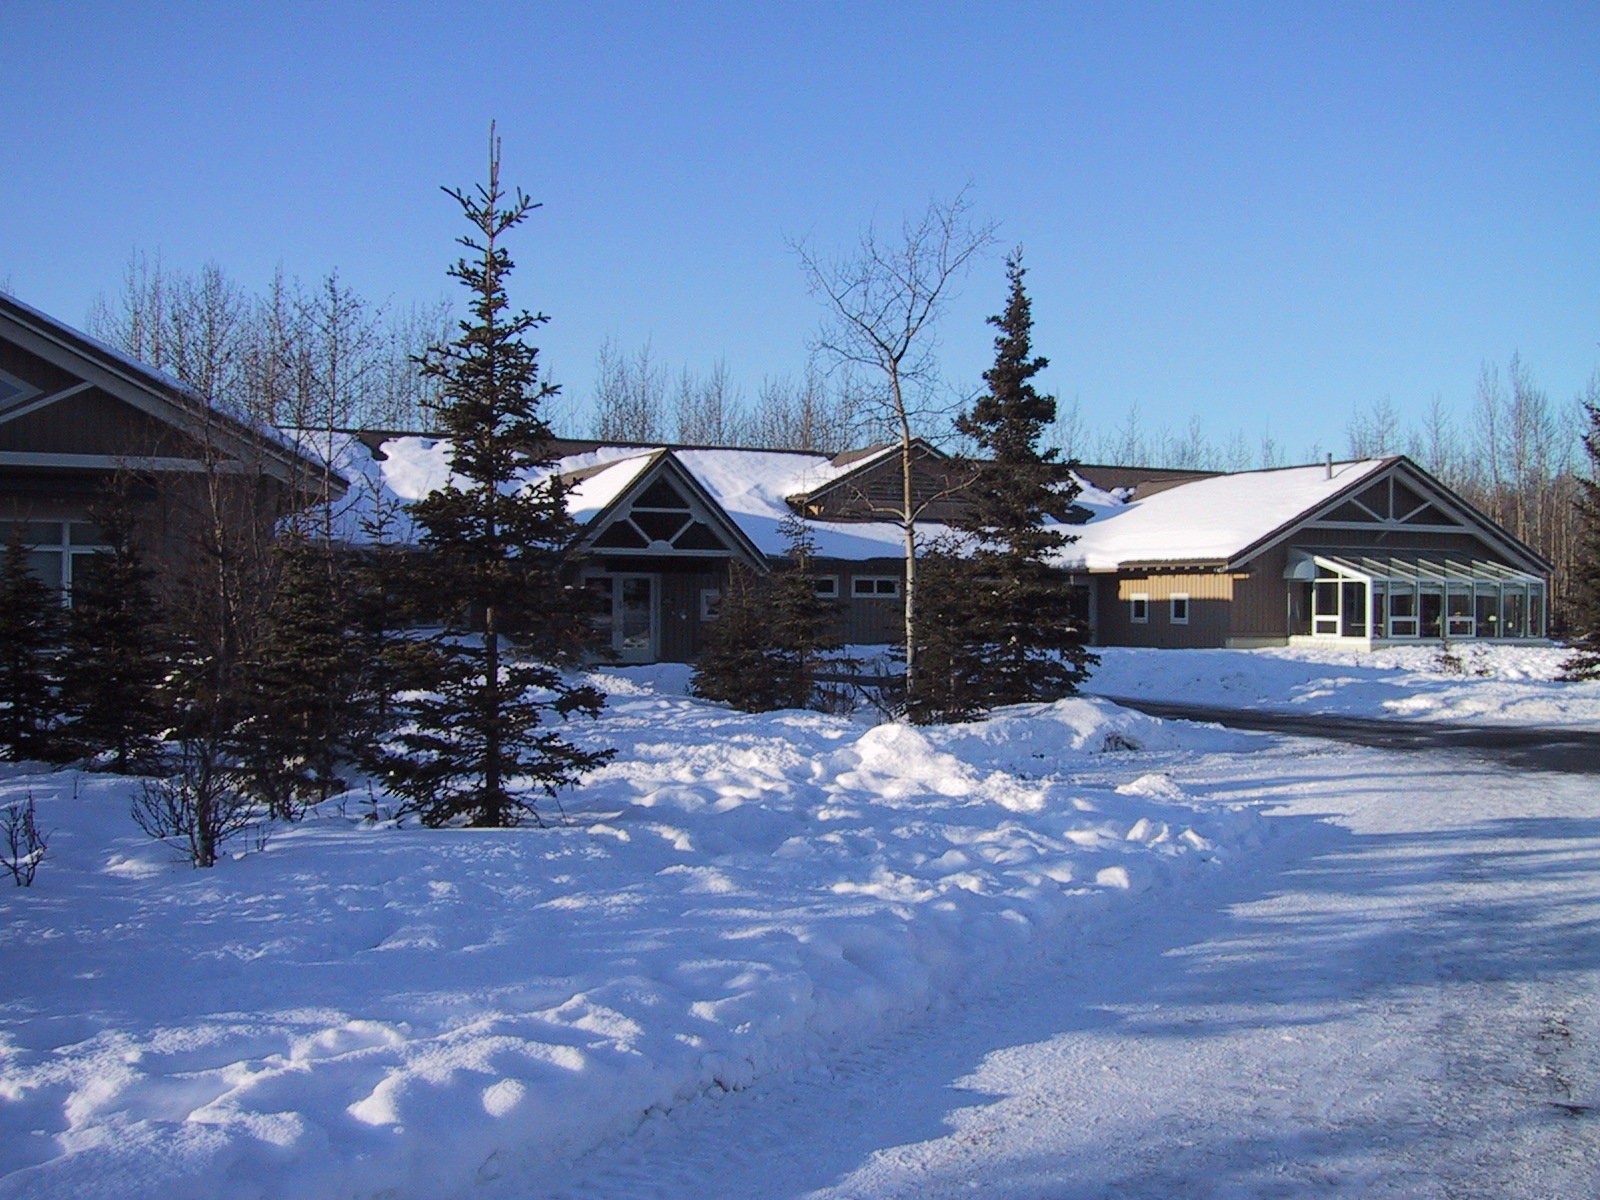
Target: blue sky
[{"x": 1261, "y": 214}]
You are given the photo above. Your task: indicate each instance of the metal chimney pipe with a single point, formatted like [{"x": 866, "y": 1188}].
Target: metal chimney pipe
[{"x": 1330, "y": 465}]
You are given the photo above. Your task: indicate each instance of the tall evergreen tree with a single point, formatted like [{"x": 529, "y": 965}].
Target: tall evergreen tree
[
  {"x": 469, "y": 748},
  {"x": 1002, "y": 613},
  {"x": 30, "y": 649},
  {"x": 1584, "y": 662},
  {"x": 116, "y": 664}
]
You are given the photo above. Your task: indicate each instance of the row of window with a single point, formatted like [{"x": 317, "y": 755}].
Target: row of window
[
  {"x": 873, "y": 587},
  {"x": 1177, "y": 608},
  {"x": 1481, "y": 609}
]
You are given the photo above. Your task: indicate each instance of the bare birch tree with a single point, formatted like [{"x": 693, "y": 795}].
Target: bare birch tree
[{"x": 883, "y": 300}]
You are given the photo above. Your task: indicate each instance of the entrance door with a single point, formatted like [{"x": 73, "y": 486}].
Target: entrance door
[
  {"x": 627, "y": 615},
  {"x": 633, "y": 617}
]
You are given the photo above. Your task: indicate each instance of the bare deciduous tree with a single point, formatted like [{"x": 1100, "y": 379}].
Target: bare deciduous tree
[
  {"x": 883, "y": 300},
  {"x": 630, "y": 395}
]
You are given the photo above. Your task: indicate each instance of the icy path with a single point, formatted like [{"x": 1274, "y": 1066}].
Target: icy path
[{"x": 1401, "y": 999}]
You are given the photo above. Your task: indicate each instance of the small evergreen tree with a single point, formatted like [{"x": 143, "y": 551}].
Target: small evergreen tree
[
  {"x": 764, "y": 649},
  {"x": 1001, "y": 611},
  {"x": 952, "y": 685},
  {"x": 387, "y": 586},
  {"x": 1584, "y": 662},
  {"x": 467, "y": 749},
  {"x": 303, "y": 681},
  {"x": 116, "y": 665},
  {"x": 30, "y": 650}
]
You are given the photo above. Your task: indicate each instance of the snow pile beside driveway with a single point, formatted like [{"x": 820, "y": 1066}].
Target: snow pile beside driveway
[
  {"x": 1506, "y": 685},
  {"x": 361, "y": 1011}
]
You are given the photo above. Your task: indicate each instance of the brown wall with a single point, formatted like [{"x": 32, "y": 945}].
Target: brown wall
[
  {"x": 1210, "y": 598},
  {"x": 92, "y": 423}
]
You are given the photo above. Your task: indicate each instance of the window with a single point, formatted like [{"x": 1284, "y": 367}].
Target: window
[
  {"x": 1178, "y": 608},
  {"x": 1139, "y": 608},
  {"x": 1353, "y": 608},
  {"x": 710, "y": 600},
  {"x": 1402, "y": 610},
  {"x": 826, "y": 587},
  {"x": 1458, "y": 611},
  {"x": 59, "y": 551},
  {"x": 875, "y": 585}
]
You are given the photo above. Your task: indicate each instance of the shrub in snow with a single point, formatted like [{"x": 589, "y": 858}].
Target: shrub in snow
[
  {"x": 115, "y": 665},
  {"x": 1584, "y": 663},
  {"x": 30, "y": 647},
  {"x": 199, "y": 804},
  {"x": 24, "y": 843}
]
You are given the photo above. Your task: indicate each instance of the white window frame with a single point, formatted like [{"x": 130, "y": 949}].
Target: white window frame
[
  {"x": 710, "y": 600},
  {"x": 825, "y": 587},
  {"x": 876, "y": 591},
  {"x": 1173, "y": 601},
  {"x": 62, "y": 544},
  {"x": 1139, "y": 608}
]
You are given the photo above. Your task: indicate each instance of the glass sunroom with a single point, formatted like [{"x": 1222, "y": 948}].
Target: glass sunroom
[{"x": 1418, "y": 597}]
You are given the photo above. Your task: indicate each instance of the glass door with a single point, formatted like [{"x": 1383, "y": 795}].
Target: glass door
[{"x": 633, "y": 617}]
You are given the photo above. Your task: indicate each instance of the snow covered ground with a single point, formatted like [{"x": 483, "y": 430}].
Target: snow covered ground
[
  {"x": 1498, "y": 684},
  {"x": 790, "y": 907},
  {"x": 360, "y": 1010}
]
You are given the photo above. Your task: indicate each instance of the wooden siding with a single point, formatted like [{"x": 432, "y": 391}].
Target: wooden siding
[
  {"x": 878, "y": 491},
  {"x": 1210, "y": 598},
  {"x": 1260, "y": 606},
  {"x": 862, "y": 620},
  {"x": 94, "y": 423},
  {"x": 32, "y": 369}
]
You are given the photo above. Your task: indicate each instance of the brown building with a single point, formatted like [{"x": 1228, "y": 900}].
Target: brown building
[
  {"x": 1355, "y": 553},
  {"x": 77, "y": 419}
]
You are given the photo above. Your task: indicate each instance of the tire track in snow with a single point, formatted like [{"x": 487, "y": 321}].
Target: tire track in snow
[{"x": 1403, "y": 1008}]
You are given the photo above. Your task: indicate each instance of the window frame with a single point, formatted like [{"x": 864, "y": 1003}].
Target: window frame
[
  {"x": 832, "y": 581},
  {"x": 1139, "y": 608},
  {"x": 1173, "y": 600},
  {"x": 63, "y": 547},
  {"x": 877, "y": 593},
  {"x": 710, "y": 603}
]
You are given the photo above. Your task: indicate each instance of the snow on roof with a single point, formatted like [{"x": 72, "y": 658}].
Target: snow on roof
[
  {"x": 1211, "y": 519},
  {"x": 594, "y": 492},
  {"x": 1206, "y": 520},
  {"x": 753, "y": 487}
]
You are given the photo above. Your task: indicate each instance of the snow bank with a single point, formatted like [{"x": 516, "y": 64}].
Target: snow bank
[
  {"x": 362, "y": 1010},
  {"x": 1508, "y": 684}
]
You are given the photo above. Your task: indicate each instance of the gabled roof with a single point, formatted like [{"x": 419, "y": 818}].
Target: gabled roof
[
  {"x": 610, "y": 490},
  {"x": 849, "y": 468},
  {"x": 1225, "y": 521},
  {"x": 156, "y": 394},
  {"x": 1209, "y": 521},
  {"x": 751, "y": 488}
]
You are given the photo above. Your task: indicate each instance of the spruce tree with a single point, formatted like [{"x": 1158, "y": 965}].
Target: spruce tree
[
  {"x": 1008, "y": 622},
  {"x": 469, "y": 749},
  {"x": 303, "y": 682},
  {"x": 30, "y": 650},
  {"x": 1584, "y": 662},
  {"x": 115, "y": 668},
  {"x": 735, "y": 666},
  {"x": 764, "y": 649}
]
